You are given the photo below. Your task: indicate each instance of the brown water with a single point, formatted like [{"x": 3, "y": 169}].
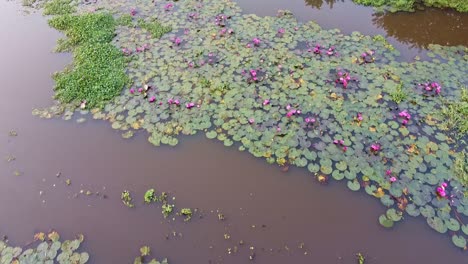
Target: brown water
[{"x": 287, "y": 209}]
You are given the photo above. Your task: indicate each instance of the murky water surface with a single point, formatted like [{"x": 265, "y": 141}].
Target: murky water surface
[{"x": 285, "y": 217}]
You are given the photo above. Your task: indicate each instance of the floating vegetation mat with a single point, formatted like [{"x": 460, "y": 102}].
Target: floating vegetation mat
[
  {"x": 342, "y": 106},
  {"x": 48, "y": 249}
]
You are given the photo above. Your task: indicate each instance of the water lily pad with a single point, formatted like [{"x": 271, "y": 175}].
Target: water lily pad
[
  {"x": 459, "y": 241},
  {"x": 354, "y": 185},
  {"x": 385, "y": 222}
]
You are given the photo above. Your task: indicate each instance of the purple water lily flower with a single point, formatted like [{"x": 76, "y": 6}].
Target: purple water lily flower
[
  {"x": 133, "y": 12},
  {"x": 140, "y": 90},
  {"x": 132, "y": 90},
  {"x": 189, "y": 105},
  {"x": 152, "y": 99}
]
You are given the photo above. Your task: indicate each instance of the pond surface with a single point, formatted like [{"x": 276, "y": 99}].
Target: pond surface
[{"x": 285, "y": 217}]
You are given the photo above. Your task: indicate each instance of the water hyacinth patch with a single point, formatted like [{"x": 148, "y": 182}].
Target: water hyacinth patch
[{"x": 292, "y": 111}]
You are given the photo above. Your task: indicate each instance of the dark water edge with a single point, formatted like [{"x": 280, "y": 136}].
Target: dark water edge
[{"x": 287, "y": 209}]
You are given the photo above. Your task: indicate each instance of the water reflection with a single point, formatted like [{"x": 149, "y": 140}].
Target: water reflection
[
  {"x": 420, "y": 29},
  {"x": 318, "y": 3}
]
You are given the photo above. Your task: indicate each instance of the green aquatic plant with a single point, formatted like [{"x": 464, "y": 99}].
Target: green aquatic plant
[
  {"x": 150, "y": 196},
  {"x": 127, "y": 199},
  {"x": 124, "y": 20},
  {"x": 59, "y": 7},
  {"x": 360, "y": 258},
  {"x": 288, "y": 101},
  {"x": 145, "y": 252},
  {"x": 460, "y": 170},
  {"x": 156, "y": 29},
  {"x": 167, "y": 209},
  {"x": 97, "y": 74},
  {"x": 455, "y": 113},
  {"x": 187, "y": 212},
  {"x": 410, "y": 5},
  {"x": 45, "y": 249},
  {"x": 398, "y": 95}
]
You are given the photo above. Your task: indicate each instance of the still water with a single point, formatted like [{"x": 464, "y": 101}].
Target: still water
[{"x": 286, "y": 217}]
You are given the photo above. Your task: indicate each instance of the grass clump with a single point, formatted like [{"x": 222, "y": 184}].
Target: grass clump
[
  {"x": 58, "y": 7},
  {"x": 455, "y": 114},
  {"x": 398, "y": 95},
  {"x": 156, "y": 29},
  {"x": 98, "y": 71}
]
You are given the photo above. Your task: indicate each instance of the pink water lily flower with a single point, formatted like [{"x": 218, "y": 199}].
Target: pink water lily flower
[
  {"x": 375, "y": 147},
  {"x": 359, "y": 117},
  {"x": 388, "y": 172},
  {"x": 393, "y": 179},
  {"x": 266, "y": 102},
  {"x": 177, "y": 41},
  {"x": 251, "y": 120},
  {"x": 189, "y": 105},
  {"x": 168, "y": 6},
  {"x": 126, "y": 52},
  {"x": 140, "y": 90},
  {"x": 256, "y": 42},
  {"x": 133, "y": 12},
  {"x": 132, "y": 90},
  {"x": 176, "y": 102},
  {"x": 281, "y": 31},
  {"x": 152, "y": 99},
  {"x": 440, "y": 190}
]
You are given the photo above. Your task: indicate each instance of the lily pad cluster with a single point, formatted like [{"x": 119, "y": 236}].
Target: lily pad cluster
[
  {"x": 343, "y": 106},
  {"x": 49, "y": 249}
]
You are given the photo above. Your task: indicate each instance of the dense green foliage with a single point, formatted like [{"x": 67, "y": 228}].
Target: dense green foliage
[
  {"x": 409, "y": 5},
  {"x": 58, "y": 7},
  {"x": 98, "y": 72}
]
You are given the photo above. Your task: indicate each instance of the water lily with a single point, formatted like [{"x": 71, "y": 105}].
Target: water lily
[
  {"x": 393, "y": 179},
  {"x": 388, "y": 172},
  {"x": 189, "y": 105},
  {"x": 132, "y": 90},
  {"x": 140, "y": 90},
  {"x": 375, "y": 147},
  {"x": 168, "y": 6},
  {"x": 256, "y": 42},
  {"x": 431, "y": 87},
  {"x": 177, "y": 41},
  {"x": 343, "y": 78},
  {"x": 359, "y": 117},
  {"x": 152, "y": 99},
  {"x": 309, "y": 120},
  {"x": 133, "y": 12},
  {"x": 251, "y": 120},
  {"x": 440, "y": 190},
  {"x": 266, "y": 102},
  {"x": 126, "y": 52}
]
